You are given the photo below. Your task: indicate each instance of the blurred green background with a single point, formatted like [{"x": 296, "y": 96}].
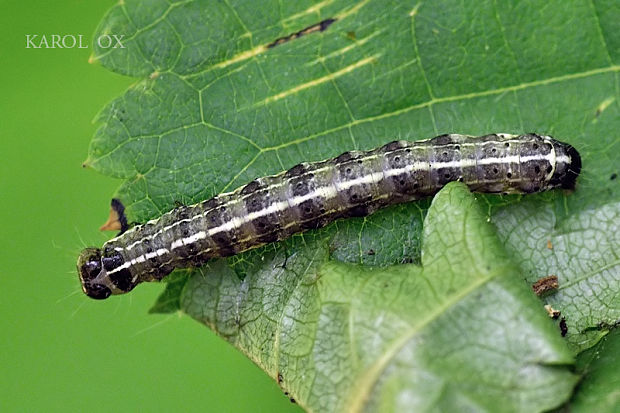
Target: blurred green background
[{"x": 60, "y": 350}]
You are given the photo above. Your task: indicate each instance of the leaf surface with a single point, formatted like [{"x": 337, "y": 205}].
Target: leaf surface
[{"x": 599, "y": 391}]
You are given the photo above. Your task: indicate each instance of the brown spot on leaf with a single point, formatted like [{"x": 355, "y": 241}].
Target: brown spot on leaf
[
  {"x": 545, "y": 285},
  {"x": 563, "y": 327},
  {"x": 318, "y": 27}
]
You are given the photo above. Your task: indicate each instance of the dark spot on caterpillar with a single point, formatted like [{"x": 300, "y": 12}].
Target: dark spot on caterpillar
[
  {"x": 495, "y": 170},
  {"x": 537, "y": 169},
  {"x": 296, "y": 170},
  {"x": 111, "y": 259},
  {"x": 507, "y": 144},
  {"x": 122, "y": 280},
  {"x": 613, "y": 176},
  {"x": 549, "y": 169},
  {"x": 318, "y": 27},
  {"x": 185, "y": 229},
  {"x": 392, "y": 146},
  {"x": 348, "y": 171},
  {"x": 301, "y": 185},
  {"x": 255, "y": 205},
  {"x": 508, "y": 175},
  {"x": 415, "y": 185},
  {"x": 535, "y": 146},
  {"x": 457, "y": 147},
  {"x": 444, "y": 139},
  {"x": 266, "y": 231},
  {"x": 345, "y": 157},
  {"x": 447, "y": 175},
  {"x": 251, "y": 187},
  {"x": 280, "y": 379},
  {"x": 210, "y": 204},
  {"x": 397, "y": 159},
  {"x": 493, "y": 150},
  {"x": 224, "y": 244},
  {"x": 536, "y": 188},
  {"x": 358, "y": 211}
]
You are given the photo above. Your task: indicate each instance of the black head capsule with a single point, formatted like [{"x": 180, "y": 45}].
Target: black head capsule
[
  {"x": 567, "y": 166},
  {"x": 103, "y": 273},
  {"x": 92, "y": 274}
]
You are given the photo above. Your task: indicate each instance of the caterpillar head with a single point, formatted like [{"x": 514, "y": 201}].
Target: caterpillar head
[
  {"x": 102, "y": 273},
  {"x": 92, "y": 274},
  {"x": 567, "y": 166}
]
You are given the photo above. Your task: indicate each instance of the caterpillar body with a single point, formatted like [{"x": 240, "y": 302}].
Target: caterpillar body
[{"x": 311, "y": 195}]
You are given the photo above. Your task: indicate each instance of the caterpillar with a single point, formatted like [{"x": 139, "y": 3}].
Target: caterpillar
[{"x": 311, "y": 195}]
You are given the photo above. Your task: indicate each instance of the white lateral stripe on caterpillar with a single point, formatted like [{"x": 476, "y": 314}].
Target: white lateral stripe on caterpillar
[
  {"x": 330, "y": 192},
  {"x": 373, "y": 177}
]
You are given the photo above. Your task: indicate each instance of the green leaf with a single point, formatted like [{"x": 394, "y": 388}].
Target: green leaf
[
  {"x": 599, "y": 390},
  {"x": 581, "y": 251},
  {"x": 341, "y": 336},
  {"x": 215, "y": 107}
]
